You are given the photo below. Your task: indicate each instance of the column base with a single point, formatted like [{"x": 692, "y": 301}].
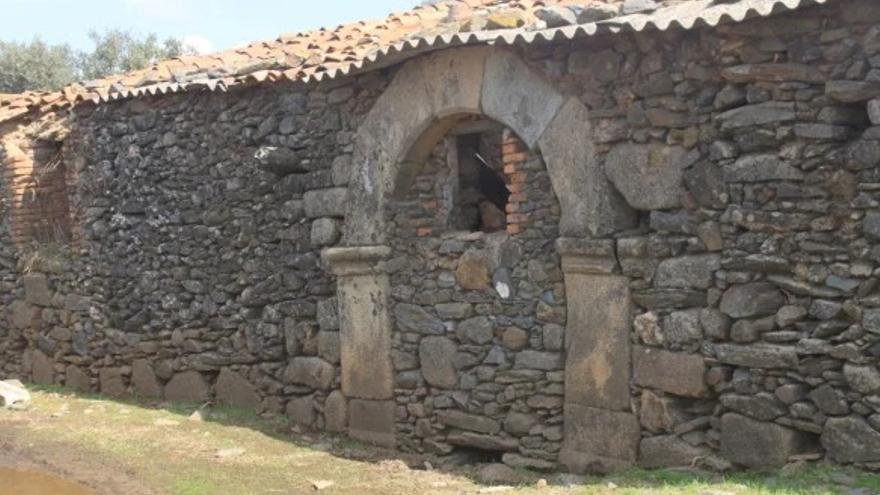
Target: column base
[
  {"x": 598, "y": 440},
  {"x": 372, "y": 421}
]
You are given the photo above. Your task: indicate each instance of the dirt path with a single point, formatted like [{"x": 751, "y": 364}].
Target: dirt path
[
  {"x": 66, "y": 462},
  {"x": 120, "y": 448},
  {"x": 128, "y": 449}
]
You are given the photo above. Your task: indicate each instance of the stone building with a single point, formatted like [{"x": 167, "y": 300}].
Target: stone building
[{"x": 575, "y": 234}]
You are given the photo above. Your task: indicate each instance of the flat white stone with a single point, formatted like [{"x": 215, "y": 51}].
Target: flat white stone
[{"x": 13, "y": 395}]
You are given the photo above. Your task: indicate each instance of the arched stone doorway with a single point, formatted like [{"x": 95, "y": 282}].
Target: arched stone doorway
[
  {"x": 412, "y": 115},
  {"x": 398, "y": 135},
  {"x": 478, "y": 300}
]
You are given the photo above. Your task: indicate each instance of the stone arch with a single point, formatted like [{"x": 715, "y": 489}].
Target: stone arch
[{"x": 415, "y": 112}]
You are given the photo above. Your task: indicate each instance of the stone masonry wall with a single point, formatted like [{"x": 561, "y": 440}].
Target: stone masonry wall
[
  {"x": 751, "y": 153},
  {"x": 479, "y": 319},
  {"x": 197, "y": 276},
  {"x": 12, "y": 340}
]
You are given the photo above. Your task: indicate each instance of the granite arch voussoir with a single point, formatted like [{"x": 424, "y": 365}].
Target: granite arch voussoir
[
  {"x": 418, "y": 108},
  {"x": 423, "y": 93}
]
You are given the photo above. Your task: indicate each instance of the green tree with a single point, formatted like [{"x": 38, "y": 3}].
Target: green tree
[
  {"x": 38, "y": 66},
  {"x": 118, "y": 51},
  {"x": 35, "y": 65}
]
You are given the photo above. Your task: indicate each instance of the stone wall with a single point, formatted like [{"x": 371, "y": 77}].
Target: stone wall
[
  {"x": 479, "y": 318},
  {"x": 748, "y": 155},
  {"x": 12, "y": 341},
  {"x": 197, "y": 273},
  {"x": 751, "y": 157}
]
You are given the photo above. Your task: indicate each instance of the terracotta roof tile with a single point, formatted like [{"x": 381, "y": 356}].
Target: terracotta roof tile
[{"x": 355, "y": 46}]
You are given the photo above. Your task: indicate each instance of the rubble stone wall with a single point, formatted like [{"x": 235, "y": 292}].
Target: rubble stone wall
[
  {"x": 197, "y": 272},
  {"x": 751, "y": 153},
  {"x": 748, "y": 157},
  {"x": 479, "y": 319}
]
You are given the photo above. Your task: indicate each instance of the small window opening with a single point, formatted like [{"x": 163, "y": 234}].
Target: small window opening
[{"x": 482, "y": 196}]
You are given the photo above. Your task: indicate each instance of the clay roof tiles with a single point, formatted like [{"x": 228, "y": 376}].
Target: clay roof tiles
[{"x": 328, "y": 53}]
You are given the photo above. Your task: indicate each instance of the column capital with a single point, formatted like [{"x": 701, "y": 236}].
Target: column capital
[
  {"x": 356, "y": 260},
  {"x": 587, "y": 256}
]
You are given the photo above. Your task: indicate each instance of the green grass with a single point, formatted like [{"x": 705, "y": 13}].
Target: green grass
[
  {"x": 164, "y": 451},
  {"x": 194, "y": 487}
]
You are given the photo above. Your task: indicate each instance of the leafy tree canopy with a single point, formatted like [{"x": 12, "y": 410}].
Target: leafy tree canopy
[
  {"x": 35, "y": 65},
  {"x": 38, "y": 66},
  {"x": 119, "y": 51}
]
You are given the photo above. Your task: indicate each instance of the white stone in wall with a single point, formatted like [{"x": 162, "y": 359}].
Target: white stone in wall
[{"x": 874, "y": 111}]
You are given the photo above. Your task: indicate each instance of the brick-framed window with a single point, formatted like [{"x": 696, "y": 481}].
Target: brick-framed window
[
  {"x": 483, "y": 189},
  {"x": 40, "y": 205}
]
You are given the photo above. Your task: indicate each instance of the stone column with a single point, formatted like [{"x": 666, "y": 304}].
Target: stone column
[
  {"x": 365, "y": 333},
  {"x": 601, "y": 432}
]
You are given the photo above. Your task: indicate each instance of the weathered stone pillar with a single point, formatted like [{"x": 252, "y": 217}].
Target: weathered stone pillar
[
  {"x": 601, "y": 432},
  {"x": 367, "y": 373}
]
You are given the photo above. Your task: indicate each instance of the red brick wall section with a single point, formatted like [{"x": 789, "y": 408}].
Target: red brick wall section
[
  {"x": 40, "y": 209},
  {"x": 513, "y": 154}
]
